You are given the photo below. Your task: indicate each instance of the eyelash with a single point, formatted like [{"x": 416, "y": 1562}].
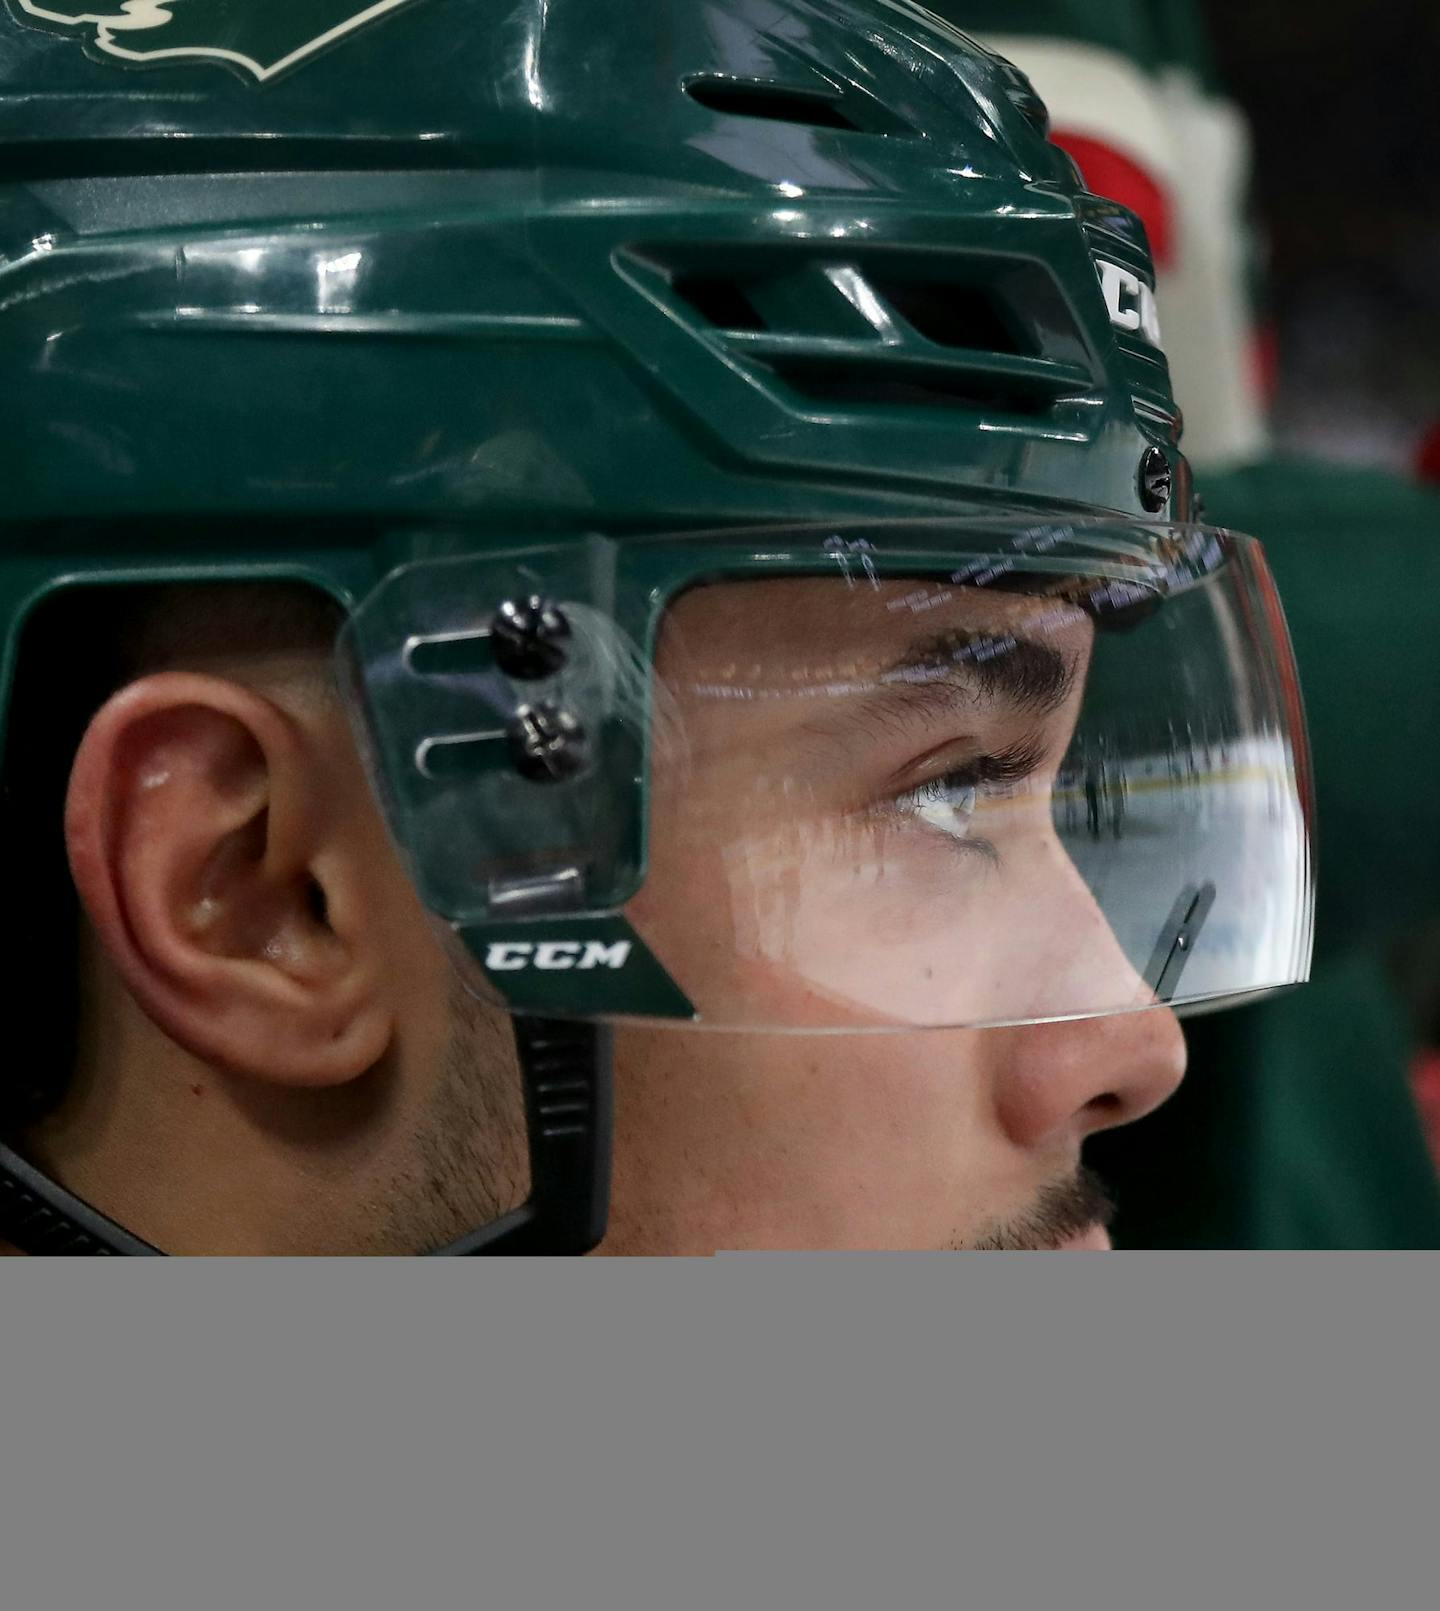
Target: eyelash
[{"x": 988, "y": 772}]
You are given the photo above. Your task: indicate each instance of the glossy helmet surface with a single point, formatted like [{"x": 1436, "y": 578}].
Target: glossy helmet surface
[{"x": 285, "y": 286}]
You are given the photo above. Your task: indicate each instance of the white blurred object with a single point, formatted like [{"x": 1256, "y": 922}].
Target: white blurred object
[{"x": 1195, "y": 150}]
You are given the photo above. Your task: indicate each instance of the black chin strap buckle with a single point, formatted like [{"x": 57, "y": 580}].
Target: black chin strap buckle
[{"x": 567, "y": 1070}]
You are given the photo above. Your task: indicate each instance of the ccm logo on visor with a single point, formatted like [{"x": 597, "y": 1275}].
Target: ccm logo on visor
[
  {"x": 555, "y": 955},
  {"x": 1130, "y": 301}
]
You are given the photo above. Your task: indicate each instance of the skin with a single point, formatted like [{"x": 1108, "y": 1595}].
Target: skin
[{"x": 276, "y": 1057}]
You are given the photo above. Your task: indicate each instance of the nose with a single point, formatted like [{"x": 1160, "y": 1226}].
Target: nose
[
  {"x": 1078, "y": 1076},
  {"x": 1059, "y": 1083}
]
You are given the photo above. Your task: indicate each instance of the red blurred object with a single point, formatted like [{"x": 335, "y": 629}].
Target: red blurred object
[
  {"x": 1427, "y": 460},
  {"x": 1112, "y": 174},
  {"x": 1265, "y": 362},
  {"x": 1426, "y": 1081}
]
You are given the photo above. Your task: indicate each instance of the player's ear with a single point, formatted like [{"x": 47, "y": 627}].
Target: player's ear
[{"x": 224, "y": 877}]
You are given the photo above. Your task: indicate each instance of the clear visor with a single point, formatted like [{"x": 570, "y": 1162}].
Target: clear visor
[{"x": 921, "y": 776}]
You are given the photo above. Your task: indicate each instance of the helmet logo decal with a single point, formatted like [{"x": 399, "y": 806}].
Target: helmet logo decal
[
  {"x": 555, "y": 955},
  {"x": 260, "y": 38},
  {"x": 1130, "y": 301}
]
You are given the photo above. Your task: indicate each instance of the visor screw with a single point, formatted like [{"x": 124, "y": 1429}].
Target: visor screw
[
  {"x": 547, "y": 744},
  {"x": 1156, "y": 480},
  {"x": 530, "y": 638}
]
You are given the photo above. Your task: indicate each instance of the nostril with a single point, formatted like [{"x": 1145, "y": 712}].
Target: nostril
[
  {"x": 319, "y": 905},
  {"x": 1108, "y": 1105}
]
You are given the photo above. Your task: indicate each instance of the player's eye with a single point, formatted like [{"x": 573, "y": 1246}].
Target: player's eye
[
  {"x": 945, "y": 803},
  {"x": 949, "y": 802}
]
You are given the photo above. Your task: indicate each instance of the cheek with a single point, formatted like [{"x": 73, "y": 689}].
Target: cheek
[
  {"x": 887, "y": 1140},
  {"x": 853, "y": 923}
]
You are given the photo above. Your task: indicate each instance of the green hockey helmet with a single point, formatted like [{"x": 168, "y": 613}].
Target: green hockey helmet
[{"x": 745, "y": 454}]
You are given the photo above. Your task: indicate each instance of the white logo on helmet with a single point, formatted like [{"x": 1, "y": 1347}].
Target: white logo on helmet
[
  {"x": 1130, "y": 301},
  {"x": 555, "y": 956},
  {"x": 259, "y": 40}
]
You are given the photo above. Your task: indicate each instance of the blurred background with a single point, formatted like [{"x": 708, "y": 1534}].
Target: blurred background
[
  {"x": 1342, "y": 102},
  {"x": 1286, "y": 161}
]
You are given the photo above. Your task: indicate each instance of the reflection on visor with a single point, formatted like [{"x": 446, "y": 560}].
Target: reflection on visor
[{"x": 915, "y": 786}]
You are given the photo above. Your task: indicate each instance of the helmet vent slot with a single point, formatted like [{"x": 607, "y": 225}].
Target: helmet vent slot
[
  {"x": 879, "y": 330},
  {"x": 850, "y": 111},
  {"x": 775, "y": 102},
  {"x": 951, "y": 315},
  {"x": 873, "y": 387},
  {"x": 720, "y": 301}
]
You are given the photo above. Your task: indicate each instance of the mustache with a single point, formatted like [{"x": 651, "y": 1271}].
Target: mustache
[{"x": 1062, "y": 1209}]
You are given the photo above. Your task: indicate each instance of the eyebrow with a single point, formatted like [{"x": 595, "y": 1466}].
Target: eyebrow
[{"x": 1033, "y": 676}]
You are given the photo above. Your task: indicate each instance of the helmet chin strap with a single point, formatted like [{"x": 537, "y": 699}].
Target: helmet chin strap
[
  {"x": 567, "y": 1070},
  {"x": 39, "y": 1216}
]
